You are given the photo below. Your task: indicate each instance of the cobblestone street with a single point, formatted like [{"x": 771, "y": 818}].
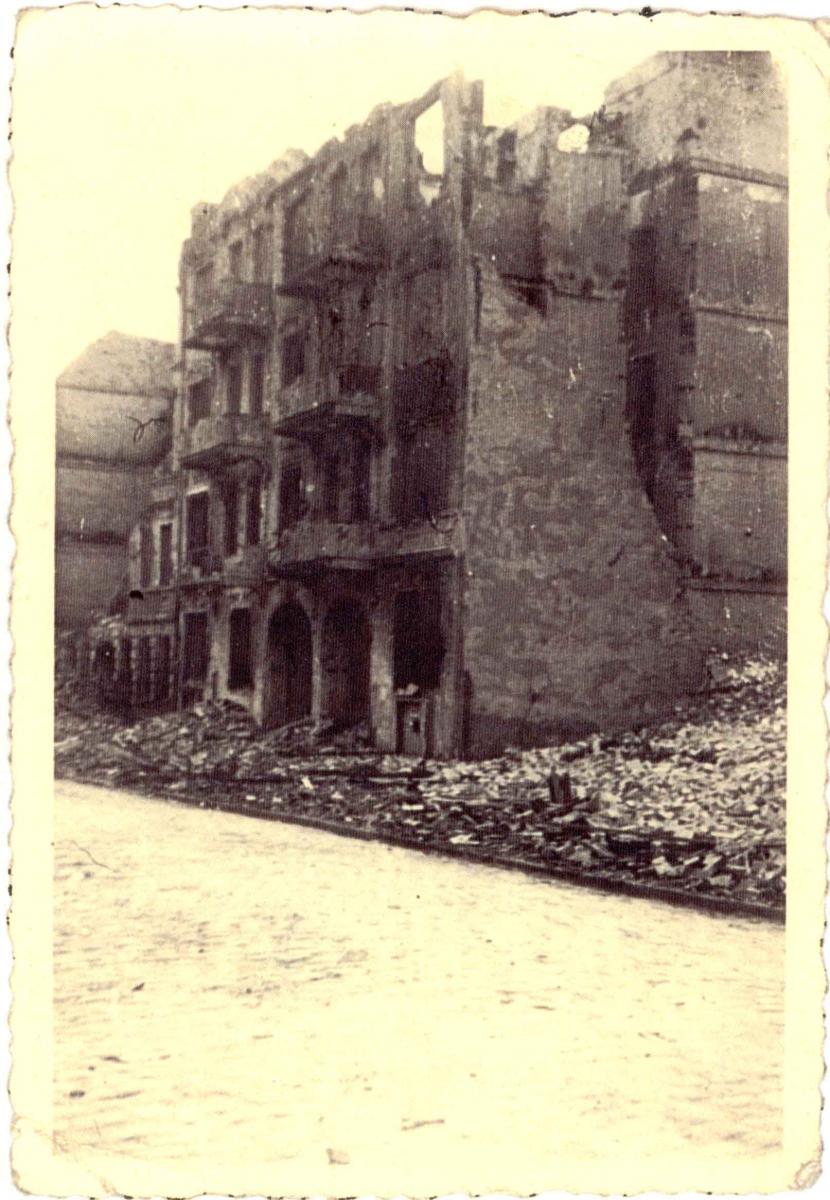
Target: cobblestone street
[{"x": 341, "y": 1015}]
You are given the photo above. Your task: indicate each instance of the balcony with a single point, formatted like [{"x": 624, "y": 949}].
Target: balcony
[
  {"x": 350, "y": 402},
  {"x": 308, "y": 546},
  {"x": 151, "y": 605},
  {"x": 356, "y": 247},
  {"x": 219, "y": 442},
  {"x": 229, "y": 313}
]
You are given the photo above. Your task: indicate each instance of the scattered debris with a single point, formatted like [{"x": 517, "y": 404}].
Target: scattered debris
[{"x": 696, "y": 803}]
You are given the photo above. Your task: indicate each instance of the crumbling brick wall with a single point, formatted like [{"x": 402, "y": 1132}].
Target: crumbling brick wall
[
  {"x": 714, "y": 98},
  {"x": 573, "y": 609}
]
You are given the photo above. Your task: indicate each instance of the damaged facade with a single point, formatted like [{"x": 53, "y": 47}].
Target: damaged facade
[{"x": 479, "y": 441}]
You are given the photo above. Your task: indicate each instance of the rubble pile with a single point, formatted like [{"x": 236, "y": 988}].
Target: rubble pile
[{"x": 695, "y": 804}]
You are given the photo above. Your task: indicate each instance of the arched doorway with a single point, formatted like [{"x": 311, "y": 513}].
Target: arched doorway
[
  {"x": 344, "y": 658},
  {"x": 288, "y": 682}
]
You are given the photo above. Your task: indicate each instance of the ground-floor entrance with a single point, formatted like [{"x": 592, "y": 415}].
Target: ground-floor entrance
[{"x": 288, "y": 679}]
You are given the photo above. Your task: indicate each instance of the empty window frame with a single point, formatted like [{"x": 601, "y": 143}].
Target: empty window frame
[
  {"x": 231, "y": 502},
  {"x": 234, "y": 386},
  {"x": 199, "y": 397},
  {"x": 263, "y": 253},
  {"x": 146, "y": 554},
  {"x": 196, "y": 649},
  {"x": 235, "y": 252},
  {"x": 240, "y": 673},
  {"x": 422, "y": 482},
  {"x": 361, "y": 480},
  {"x": 256, "y": 385},
  {"x": 253, "y": 518},
  {"x": 197, "y": 525},
  {"x": 292, "y": 495},
  {"x": 203, "y": 284},
  {"x": 165, "y": 554},
  {"x": 338, "y": 191},
  {"x": 293, "y": 357},
  {"x": 418, "y": 641},
  {"x": 330, "y": 472}
]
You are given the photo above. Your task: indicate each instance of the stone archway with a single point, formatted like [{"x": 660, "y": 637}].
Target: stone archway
[
  {"x": 289, "y": 662},
  {"x": 344, "y": 658}
]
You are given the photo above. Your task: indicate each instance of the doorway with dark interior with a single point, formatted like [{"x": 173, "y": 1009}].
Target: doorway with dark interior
[
  {"x": 289, "y": 666},
  {"x": 344, "y": 657}
]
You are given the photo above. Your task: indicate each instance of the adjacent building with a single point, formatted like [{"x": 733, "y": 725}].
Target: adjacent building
[
  {"x": 113, "y": 408},
  {"x": 477, "y": 440}
]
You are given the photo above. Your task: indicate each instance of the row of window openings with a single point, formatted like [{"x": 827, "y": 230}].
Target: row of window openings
[
  {"x": 262, "y": 258},
  {"x": 198, "y": 521},
  {"x": 421, "y": 494},
  {"x": 200, "y": 395},
  {"x": 196, "y": 648},
  {"x": 421, "y": 489},
  {"x": 347, "y": 501},
  {"x": 198, "y": 532}
]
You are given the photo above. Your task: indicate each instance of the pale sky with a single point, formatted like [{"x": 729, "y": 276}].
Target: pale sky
[{"x": 124, "y": 118}]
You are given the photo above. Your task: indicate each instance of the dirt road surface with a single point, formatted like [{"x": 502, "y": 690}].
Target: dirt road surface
[{"x": 281, "y": 1009}]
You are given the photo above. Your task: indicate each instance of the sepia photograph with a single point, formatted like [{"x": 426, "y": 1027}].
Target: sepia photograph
[{"x": 413, "y": 403}]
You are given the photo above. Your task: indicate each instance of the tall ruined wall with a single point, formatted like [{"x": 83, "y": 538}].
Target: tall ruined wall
[
  {"x": 731, "y": 103},
  {"x": 573, "y": 609}
]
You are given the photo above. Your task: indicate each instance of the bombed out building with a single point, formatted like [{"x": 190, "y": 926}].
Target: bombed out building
[{"x": 480, "y": 439}]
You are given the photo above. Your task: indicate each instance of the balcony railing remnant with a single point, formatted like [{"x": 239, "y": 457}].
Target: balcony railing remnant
[{"x": 227, "y": 313}]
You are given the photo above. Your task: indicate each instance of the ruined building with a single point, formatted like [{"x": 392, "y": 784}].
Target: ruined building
[
  {"x": 112, "y": 408},
  {"x": 479, "y": 440}
]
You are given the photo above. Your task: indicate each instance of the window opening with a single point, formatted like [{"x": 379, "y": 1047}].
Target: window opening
[
  {"x": 203, "y": 284},
  {"x": 199, "y": 396},
  {"x": 361, "y": 480},
  {"x": 263, "y": 253},
  {"x": 146, "y": 555},
  {"x": 196, "y": 650},
  {"x": 293, "y": 358},
  {"x": 418, "y": 639},
  {"x": 292, "y": 495},
  {"x": 253, "y": 522},
  {"x": 165, "y": 554},
  {"x": 235, "y": 260},
  {"x": 231, "y": 500},
  {"x": 198, "y": 527},
  {"x": 234, "y": 382},
  {"x": 330, "y": 473},
  {"x": 239, "y": 649},
  {"x": 257, "y": 385},
  {"x": 429, "y": 149}
]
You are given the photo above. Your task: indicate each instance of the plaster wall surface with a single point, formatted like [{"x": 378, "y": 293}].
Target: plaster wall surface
[
  {"x": 740, "y": 510},
  {"x": 740, "y": 618},
  {"x": 574, "y": 613},
  {"x": 99, "y": 499},
  {"x": 740, "y": 368},
  {"x": 87, "y": 574}
]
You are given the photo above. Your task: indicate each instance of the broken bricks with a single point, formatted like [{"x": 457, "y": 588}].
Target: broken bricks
[{"x": 695, "y": 803}]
